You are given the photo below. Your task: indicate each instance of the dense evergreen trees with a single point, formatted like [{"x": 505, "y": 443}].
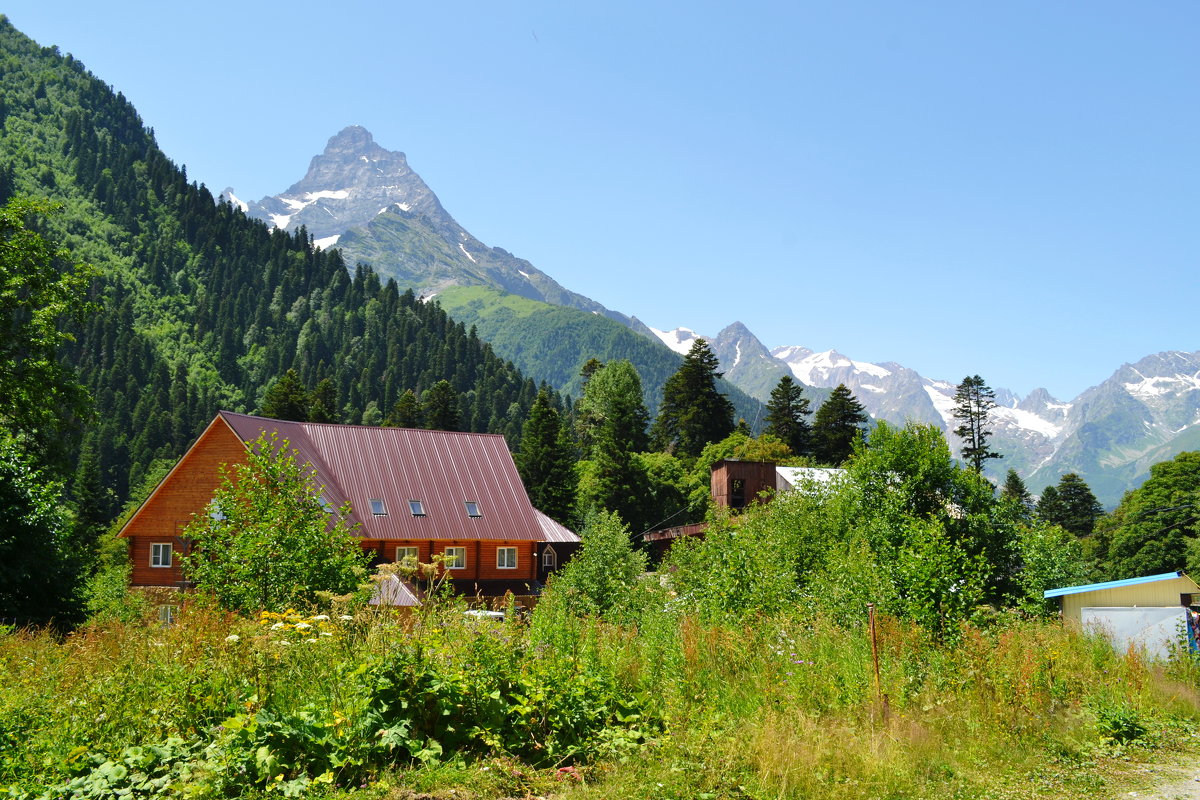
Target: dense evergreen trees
[
  {"x": 973, "y": 402},
  {"x": 1015, "y": 490},
  {"x": 286, "y": 399},
  {"x": 406, "y": 412},
  {"x": 440, "y": 408},
  {"x": 1070, "y": 505},
  {"x": 786, "y": 413},
  {"x": 199, "y": 308},
  {"x": 693, "y": 412},
  {"x": 837, "y": 423}
]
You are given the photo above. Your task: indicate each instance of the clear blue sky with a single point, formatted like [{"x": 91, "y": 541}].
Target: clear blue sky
[{"x": 1008, "y": 189}]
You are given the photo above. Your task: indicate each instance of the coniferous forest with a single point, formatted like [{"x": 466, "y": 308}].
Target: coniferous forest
[{"x": 196, "y": 308}]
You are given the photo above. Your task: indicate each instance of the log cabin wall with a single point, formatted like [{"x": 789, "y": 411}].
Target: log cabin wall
[{"x": 187, "y": 490}]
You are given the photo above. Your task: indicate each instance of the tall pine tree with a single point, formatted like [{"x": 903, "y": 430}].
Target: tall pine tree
[
  {"x": 837, "y": 423},
  {"x": 973, "y": 403},
  {"x": 693, "y": 412},
  {"x": 1049, "y": 505},
  {"x": 546, "y": 460},
  {"x": 286, "y": 399},
  {"x": 406, "y": 412},
  {"x": 323, "y": 402},
  {"x": 786, "y": 414},
  {"x": 441, "y": 408},
  {"x": 612, "y": 400},
  {"x": 1077, "y": 509},
  {"x": 1014, "y": 489}
]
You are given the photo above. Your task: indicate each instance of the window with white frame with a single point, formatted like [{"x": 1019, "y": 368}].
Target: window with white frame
[
  {"x": 160, "y": 554},
  {"x": 549, "y": 558},
  {"x": 417, "y": 508},
  {"x": 506, "y": 558},
  {"x": 409, "y": 554},
  {"x": 472, "y": 508},
  {"x": 378, "y": 509},
  {"x": 456, "y": 558}
]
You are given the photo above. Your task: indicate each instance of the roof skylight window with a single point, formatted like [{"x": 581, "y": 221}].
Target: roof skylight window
[
  {"x": 378, "y": 508},
  {"x": 416, "y": 507},
  {"x": 472, "y": 508}
]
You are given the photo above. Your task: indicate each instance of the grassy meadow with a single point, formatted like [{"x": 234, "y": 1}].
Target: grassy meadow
[{"x": 370, "y": 704}]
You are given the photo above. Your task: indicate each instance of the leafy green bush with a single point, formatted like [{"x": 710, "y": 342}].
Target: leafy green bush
[
  {"x": 1120, "y": 723},
  {"x": 542, "y": 714}
]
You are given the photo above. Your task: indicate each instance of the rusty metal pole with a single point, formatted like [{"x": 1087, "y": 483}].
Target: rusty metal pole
[{"x": 883, "y": 706}]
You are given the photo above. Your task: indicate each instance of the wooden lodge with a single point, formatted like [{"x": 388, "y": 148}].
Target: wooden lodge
[{"x": 413, "y": 493}]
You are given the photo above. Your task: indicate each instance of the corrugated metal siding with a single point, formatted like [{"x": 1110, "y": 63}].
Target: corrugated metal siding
[
  {"x": 442, "y": 469},
  {"x": 554, "y": 532}
]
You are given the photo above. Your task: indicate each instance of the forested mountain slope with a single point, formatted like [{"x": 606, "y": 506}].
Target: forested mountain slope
[
  {"x": 198, "y": 307},
  {"x": 552, "y": 343},
  {"x": 369, "y": 203}
]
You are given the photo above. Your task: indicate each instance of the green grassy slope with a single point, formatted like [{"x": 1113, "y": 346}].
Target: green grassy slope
[{"x": 552, "y": 343}]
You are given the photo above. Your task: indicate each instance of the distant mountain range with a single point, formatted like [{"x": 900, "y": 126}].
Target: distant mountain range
[
  {"x": 367, "y": 201},
  {"x": 1110, "y": 434}
]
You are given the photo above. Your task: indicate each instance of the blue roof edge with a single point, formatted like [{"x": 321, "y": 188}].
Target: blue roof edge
[{"x": 1093, "y": 587}]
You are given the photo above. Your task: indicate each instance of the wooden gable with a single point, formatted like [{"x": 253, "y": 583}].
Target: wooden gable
[{"x": 186, "y": 490}]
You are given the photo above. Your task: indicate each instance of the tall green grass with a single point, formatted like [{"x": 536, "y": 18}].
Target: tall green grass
[{"x": 662, "y": 705}]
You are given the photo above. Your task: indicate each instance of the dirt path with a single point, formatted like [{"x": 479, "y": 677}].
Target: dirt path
[{"x": 1184, "y": 784}]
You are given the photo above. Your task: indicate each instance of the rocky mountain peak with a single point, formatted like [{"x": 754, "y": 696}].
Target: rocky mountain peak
[
  {"x": 736, "y": 329},
  {"x": 352, "y": 139},
  {"x": 352, "y": 181}
]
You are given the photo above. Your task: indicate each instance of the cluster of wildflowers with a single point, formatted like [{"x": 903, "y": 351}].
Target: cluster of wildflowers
[
  {"x": 798, "y": 661},
  {"x": 782, "y": 647},
  {"x": 287, "y": 627}
]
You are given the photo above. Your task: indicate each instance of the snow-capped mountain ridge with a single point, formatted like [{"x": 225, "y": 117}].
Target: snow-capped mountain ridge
[
  {"x": 370, "y": 203},
  {"x": 1110, "y": 434}
]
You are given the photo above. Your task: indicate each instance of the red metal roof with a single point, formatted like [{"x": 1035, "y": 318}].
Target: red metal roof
[
  {"x": 553, "y": 531},
  {"x": 442, "y": 469}
]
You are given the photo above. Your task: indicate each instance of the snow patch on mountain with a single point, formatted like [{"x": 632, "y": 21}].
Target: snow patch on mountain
[
  {"x": 943, "y": 403},
  {"x": 326, "y": 242},
  {"x": 465, "y": 253},
  {"x": 680, "y": 340},
  {"x": 1155, "y": 386},
  {"x": 814, "y": 367},
  {"x": 235, "y": 200},
  {"x": 303, "y": 201},
  {"x": 1027, "y": 420}
]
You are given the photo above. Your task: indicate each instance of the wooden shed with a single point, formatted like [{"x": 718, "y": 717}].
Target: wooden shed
[
  {"x": 1148, "y": 612},
  {"x": 737, "y": 484}
]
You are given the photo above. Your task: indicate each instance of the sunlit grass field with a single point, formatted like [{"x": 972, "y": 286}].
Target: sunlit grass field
[{"x": 372, "y": 704}]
